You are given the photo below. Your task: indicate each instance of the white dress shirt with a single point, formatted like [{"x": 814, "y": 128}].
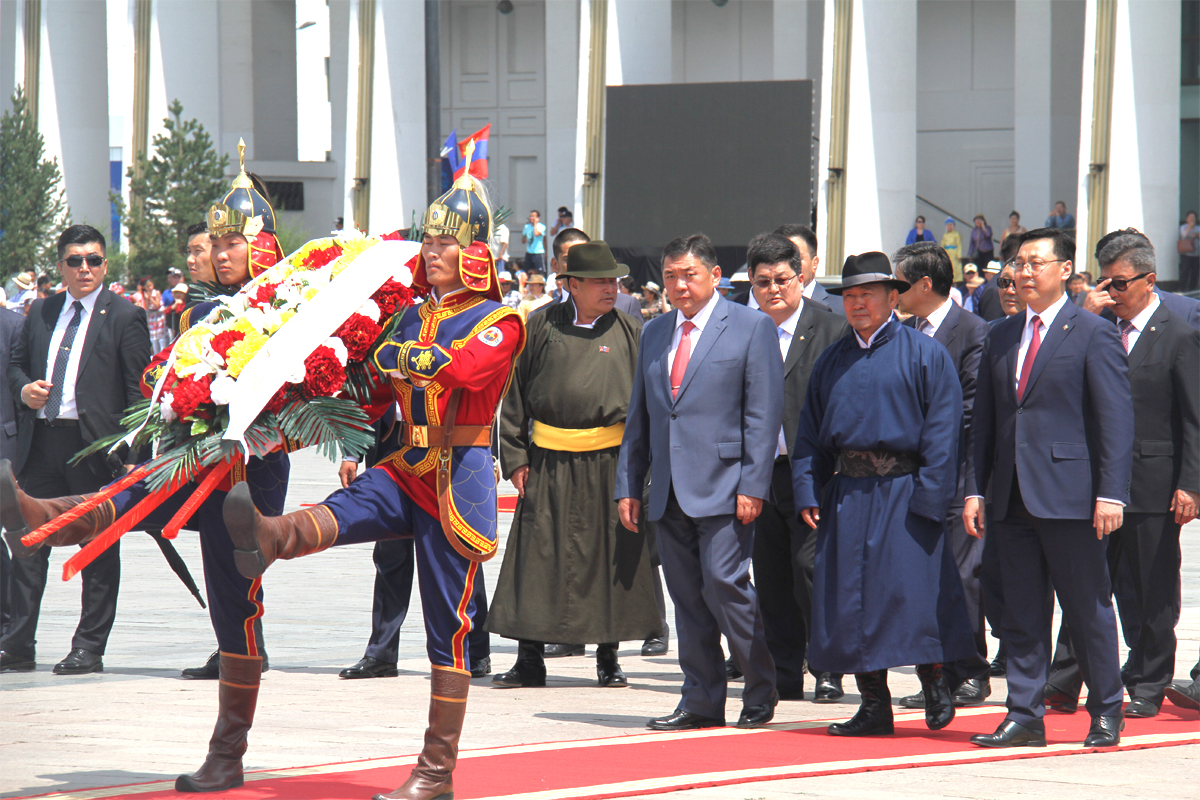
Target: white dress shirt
[
  {"x": 700, "y": 320},
  {"x": 935, "y": 319},
  {"x": 787, "y": 332},
  {"x": 1047, "y": 317},
  {"x": 807, "y": 291},
  {"x": 1141, "y": 321},
  {"x": 589, "y": 325},
  {"x": 67, "y": 408}
]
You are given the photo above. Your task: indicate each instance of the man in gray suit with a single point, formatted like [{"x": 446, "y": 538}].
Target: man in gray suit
[{"x": 710, "y": 453}]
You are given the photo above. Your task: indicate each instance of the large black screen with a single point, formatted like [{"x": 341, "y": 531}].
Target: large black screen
[{"x": 730, "y": 160}]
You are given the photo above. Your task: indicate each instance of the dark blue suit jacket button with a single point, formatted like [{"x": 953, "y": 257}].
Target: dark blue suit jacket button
[{"x": 674, "y": 415}]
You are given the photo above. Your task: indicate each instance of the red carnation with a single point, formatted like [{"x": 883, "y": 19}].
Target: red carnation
[
  {"x": 264, "y": 295},
  {"x": 394, "y": 236},
  {"x": 391, "y": 297},
  {"x": 321, "y": 256},
  {"x": 358, "y": 334},
  {"x": 225, "y": 340},
  {"x": 324, "y": 375},
  {"x": 188, "y": 394}
]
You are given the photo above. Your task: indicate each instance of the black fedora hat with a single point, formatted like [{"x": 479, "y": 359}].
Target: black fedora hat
[
  {"x": 873, "y": 267},
  {"x": 593, "y": 260}
]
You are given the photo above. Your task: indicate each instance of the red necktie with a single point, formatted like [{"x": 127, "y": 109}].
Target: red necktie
[
  {"x": 1027, "y": 367},
  {"x": 682, "y": 355}
]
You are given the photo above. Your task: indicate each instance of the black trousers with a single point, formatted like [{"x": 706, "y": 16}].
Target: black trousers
[
  {"x": 1037, "y": 557},
  {"x": 47, "y": 474},
  {"x": 394, "y": 565},
  {"x": 1147, "y": 546},
  {"x": 991, "y": 589},
  {"x": 968, "y": 556},
  {"x": 784, "y": 548}
]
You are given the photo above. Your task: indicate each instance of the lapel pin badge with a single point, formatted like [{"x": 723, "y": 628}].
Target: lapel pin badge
[
  {"x": 1153, "y": 328},
  {"x": 1065, "y": 327}
]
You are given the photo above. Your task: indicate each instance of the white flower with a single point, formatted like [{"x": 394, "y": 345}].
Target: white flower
[
  {"x": 403, "y": 275},
  {"x": 339, "y": 349},
  {"x": 298, "y": 374},
  {"x": 222, "y": 389},
  {"x": 164, "y": 407}
]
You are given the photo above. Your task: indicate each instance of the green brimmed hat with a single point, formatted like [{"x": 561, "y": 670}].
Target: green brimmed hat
[
  {"x": 872, "y": 267},
  {"x": 593, "y": 260}
]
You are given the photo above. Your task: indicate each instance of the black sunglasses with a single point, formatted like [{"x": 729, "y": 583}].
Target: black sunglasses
[
  {"x": 1004, "y": 283},
  {"x": 1121, "y": 284},
  {"x": 75, "y": 262}
]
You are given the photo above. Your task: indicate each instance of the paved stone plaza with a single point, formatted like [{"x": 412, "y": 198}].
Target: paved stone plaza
[{"x": 138, "y": 721}]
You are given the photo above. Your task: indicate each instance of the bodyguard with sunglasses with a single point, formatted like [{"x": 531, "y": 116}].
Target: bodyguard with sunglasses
[{"x": 74, "y": 371}]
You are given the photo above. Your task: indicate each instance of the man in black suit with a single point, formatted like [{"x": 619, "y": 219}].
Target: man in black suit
[
  {"x": 11, "y": 324},
  {"x": 1164, "y": 374},
  {"x": 927, "y": 268},
  {"x": 1052, "y": 428},
  {"x": 806, "y": 242},
  {"x": 76, "y": 368},
  {"x": 1098, "y": 300},
  {"x": 784, "y": 548}
]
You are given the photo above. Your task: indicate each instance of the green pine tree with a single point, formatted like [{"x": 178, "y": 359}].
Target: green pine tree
[
  {"x": 177, "y": 185},
  {"x": 33, "y": 207}
]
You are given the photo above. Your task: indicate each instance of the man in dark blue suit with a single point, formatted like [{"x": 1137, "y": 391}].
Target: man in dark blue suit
[
  {"x": 1053, "y": 430},
  {"x": 926, "y": 267},
  {"x": 710, "y": 452}
]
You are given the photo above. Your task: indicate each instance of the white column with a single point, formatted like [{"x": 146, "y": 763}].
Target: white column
[
  {"x": 1032, "y": 111},
  {"x": 639, "y": 42},
  {"x": 562, "y": 106},
  {"x": 881, "y": 143},
  {"x": 398, "y": 134},
  {"x": 10, "y": 52},
  {"x": 73, "y": 109},
  {"x": 340, "y": 72}
]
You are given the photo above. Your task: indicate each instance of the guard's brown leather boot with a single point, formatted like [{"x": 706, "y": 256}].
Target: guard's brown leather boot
[
  {"x": 433, "y": 775},
  {"x": 259, "y": 541},
  {"x": 238, "y": 693},
  {"x": 21, "y": 514}
]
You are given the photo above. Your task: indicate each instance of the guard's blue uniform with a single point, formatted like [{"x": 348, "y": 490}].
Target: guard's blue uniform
[{"x": 464, "y": 342}]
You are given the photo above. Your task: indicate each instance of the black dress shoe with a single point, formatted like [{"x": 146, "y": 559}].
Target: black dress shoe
[
  {"x": 913, "y": 700},
  {"x": 79, "y": 662},
  {"x": 1105, "y": 731},
  {"x": 1141, "y": 708},
  {"x": 972, "y": 692},
  {"x": 1185, "y": 695},
  {"x": 209, "y": 672},
  {"x": 1059, "y": 700},
  {"x": 16, "y": 662},
  {"x": 1012, "y": 734},
  {"x": 561, "y": 650},
  {"x": 759, "y": 715},
  {"x": 369, "y": 667},
  {"x": 482, "y": 667},
  {"x": 523, "y": 675},
  {"x": 655, "y": 647},
  {"x": 680, "y": 720},
  {"x": 999, "y": 667},
  {"x": 732, "y": 673},
  {"x": 828, "y": 688},
  {"x": 609, "y": 675},
  {"x": 658, "y": 645}
]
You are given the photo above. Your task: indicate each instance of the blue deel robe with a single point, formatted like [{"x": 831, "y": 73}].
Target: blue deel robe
[{"x": 886, "y": 591}]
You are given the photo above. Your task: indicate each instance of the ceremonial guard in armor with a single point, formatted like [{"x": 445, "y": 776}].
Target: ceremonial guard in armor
[
  {"x": 242, "y": 230},
  {"x": 450, "y": 360}
]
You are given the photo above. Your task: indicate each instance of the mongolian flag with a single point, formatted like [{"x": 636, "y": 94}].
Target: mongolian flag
[{"x": 453, "y": 154}]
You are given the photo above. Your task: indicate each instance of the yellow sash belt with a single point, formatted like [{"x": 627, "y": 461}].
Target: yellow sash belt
[{"x": 577, "y": 440}]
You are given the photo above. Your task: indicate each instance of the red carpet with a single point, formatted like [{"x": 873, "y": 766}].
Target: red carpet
[{"x": 650, "y": 763}]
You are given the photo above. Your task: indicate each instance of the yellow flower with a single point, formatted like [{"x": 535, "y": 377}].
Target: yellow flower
[
  {"x": 245, "y": 326},
  {"x": 240, "y": 354},
  {"x": 190, "y": 346},
  {"x": 310, "y": 293},
  {"x": 351, "y": 249}
]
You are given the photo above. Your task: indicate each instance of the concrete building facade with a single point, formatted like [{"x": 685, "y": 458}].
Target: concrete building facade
[{"x": 954, "y": 107}]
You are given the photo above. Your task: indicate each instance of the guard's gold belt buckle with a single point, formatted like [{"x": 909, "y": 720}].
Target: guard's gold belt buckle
[{"x": 419, "y": 435}]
